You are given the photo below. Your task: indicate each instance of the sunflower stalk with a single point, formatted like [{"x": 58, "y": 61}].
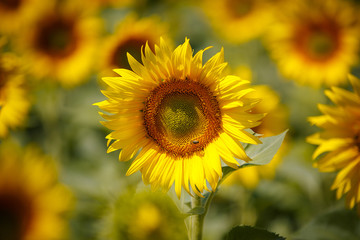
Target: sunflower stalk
[{"x": 197, "y": 219}]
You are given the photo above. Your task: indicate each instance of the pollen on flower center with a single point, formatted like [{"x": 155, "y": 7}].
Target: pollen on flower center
[
  {"x": 182, "y": 117},
  {"x": 179, "y": 114}
]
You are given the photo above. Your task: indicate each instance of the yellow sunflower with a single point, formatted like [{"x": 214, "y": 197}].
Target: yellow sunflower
[
  {"x": 130, "y": 35},
  {"x": 316, "y": 42},
  {"x": 14, "y": 99},
  {"x": 111, "y": 3},
  {"x": 180, "y": 115},
  {"x": 15, "y": 14},
  {"x": 276, "y": 113},
  {"x": 32, "y": 202},
  {"x": 240, "y": 20},
  {"x": 339, "y": 142},
  {"x": 61, "y": 44},
  {"x": 144, "y": 215}
]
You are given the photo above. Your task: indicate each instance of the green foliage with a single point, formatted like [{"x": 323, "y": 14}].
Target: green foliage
[
  {"x": 260, "y": 154},
  {"x": 251, "y": 233}
]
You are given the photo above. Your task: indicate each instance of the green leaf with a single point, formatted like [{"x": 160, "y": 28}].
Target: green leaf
[
  {"x": 262, "y": 154},
  {"x": 251, "y": 233},
  {"x": 196, "y": 211}
]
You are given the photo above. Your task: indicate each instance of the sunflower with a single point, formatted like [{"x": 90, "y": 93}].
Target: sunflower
[
  {"x": 130, "y": 35},
  {"x": 276, "y": 113},
  {"x": 14, "y": 99},
  {"x": 111, "y": 3},
  {"x": 15, "y": 14},
  {"x": 143, "y": 215},
  {"x": 180, "y": 115},
  {"x": 60, "y": 45},
  {"x": 339, "y": 144},
  {"x": 32, "y": 201},
  {"x": 240, "y": 20},
  {"x": 316, "y": 42}
]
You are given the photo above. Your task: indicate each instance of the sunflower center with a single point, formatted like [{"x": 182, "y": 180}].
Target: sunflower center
[
  {"x": 11, "y": 4},
  {"x": 132, "y": 46},
  {"x": 320, "y": 44},
  {"x": 357, "y": 141},
  {"x": 182, "y": 117},
  {"x": 240, "y": 8},
  {"x": 318, "y": 41},
  {"x": 179, "y": 114},
  {"x": 14, "y": 216},
  {"x": 56, "y": 37}
]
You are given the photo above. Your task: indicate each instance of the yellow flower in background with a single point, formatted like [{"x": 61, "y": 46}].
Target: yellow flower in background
[
  {"x": 144, "y": 215},
  {"x": 339, "y": 142},
  {"x": 110, "y": 3},
  {"x": 14, "y": 99},
  {"x": 130, "y": 35},
  {"x": 275, "y": 122},
  {"x": 60, "y": 45},
  {"x": 240, "y": 20},
  {"x": 181, "y": 114},
  {"x": 316, "y": 42},
  {"x": 15, "y": 14},
  {"x": 32, "y": 202}
]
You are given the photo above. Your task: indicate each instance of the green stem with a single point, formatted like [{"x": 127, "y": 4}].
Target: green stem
[{"x": 197, "y": 220}]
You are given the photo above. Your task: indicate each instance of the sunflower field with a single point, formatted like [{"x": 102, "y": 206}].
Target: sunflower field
[{"x": 164, "y": 119}]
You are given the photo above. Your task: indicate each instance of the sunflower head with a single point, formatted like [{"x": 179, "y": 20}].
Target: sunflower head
[
  {"x": 16, "y": 14},
  {"x": 32, "y": 202},
  {"x": 61, "y": 37},
  {"x": 182, "y": 116},
  {"x": 14, "y": 99},
  {"x": 315, "y": 42},
  {"x": 56, "y": 36},
  {"x": 339, "y": 148},
  {"x": 130, "y": 35},
  {"x": 240, "y": 20}
]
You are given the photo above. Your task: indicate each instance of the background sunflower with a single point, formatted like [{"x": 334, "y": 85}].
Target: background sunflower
[
  {"x": 14, "y": 96},
  {"x": 316, "y": 42},
  {"x": 32, "y": 201},
  {"x": 339, "y": 141}
]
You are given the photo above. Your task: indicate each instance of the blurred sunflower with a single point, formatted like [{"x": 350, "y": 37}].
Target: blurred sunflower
[
  {"x": 339, "y": 142},
  {"x": 130, "y": 35},
  {"x": 15, "y": 14},
  {"x": 32, "y": 201},
  {"x": 61, "y": 44},
  {"x": 316, "y": 42},
  {"x": 182, "y": 116},
  {"x": 14, "y": 99},
  {"x": 240, "y": 20},
  {"x": 111, "y": 3},
  {"x": 276, "y": 113},
  {"x": 144, "y": 216}
]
